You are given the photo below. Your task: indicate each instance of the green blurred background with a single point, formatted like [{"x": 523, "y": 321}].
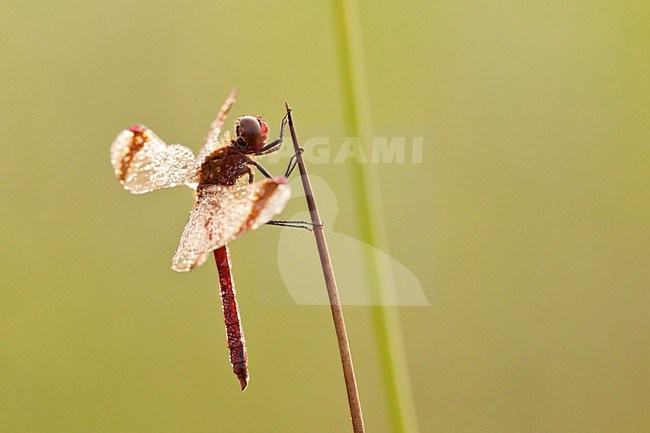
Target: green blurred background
[{"x": 526, "y": 223}]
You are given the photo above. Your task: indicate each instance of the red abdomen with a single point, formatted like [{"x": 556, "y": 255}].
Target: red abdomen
[{"x": 234, "y": 331}]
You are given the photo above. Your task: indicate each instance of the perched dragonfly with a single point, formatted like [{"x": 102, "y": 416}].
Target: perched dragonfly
[{"x": 226, "y": 205}]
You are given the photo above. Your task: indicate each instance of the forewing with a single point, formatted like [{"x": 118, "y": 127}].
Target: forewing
[
  {"x": 223, "y": 213},
  {"x": 212, "y": 142},
  {"x": 144, "y": 163}
]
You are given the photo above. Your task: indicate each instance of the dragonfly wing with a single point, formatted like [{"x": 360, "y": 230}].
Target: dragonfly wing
[
  {"x": 144, "y": 163},
  {"x": 223, "y": 213},
  {"x": 212, "y": 142}
]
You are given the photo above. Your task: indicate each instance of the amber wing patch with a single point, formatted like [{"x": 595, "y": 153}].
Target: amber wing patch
[
  {"x": 223, "y": 213},
  {"x": 144, "y": 163}
]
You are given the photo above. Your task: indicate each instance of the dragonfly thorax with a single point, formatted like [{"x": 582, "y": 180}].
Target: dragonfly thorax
[{"x": 224, "y": 167}]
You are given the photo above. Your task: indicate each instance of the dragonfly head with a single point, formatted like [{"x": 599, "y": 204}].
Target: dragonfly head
[{"x": 252, "y": 132}]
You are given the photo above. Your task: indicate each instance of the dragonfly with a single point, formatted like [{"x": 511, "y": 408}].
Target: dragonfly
[{"x": 228, "y": 201}]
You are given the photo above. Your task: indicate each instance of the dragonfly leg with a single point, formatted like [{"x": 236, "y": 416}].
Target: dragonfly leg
[
  {"x": 275, "y": 145},
  {"x": 293, "y": 162},
  {"x": 294, "y": 224},
  {"x": 260, "y": 168},
  {"x": 271, "y": 147}
]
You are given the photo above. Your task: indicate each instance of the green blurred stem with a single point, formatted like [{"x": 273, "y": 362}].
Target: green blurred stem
[{"x": 366, "y": 187}]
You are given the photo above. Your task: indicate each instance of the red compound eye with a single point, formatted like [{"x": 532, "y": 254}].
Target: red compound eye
[{"x": 265, "y": 130}]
